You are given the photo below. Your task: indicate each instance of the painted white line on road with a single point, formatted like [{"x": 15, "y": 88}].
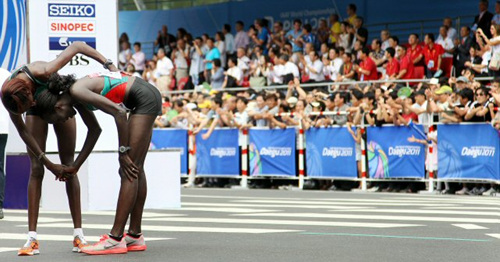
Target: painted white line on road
[
  {"x": 227, "y": 210},
  {"x": 24, "y": 219},
  {"x": 463, "y": 207},
  {"x": 92, "y": 213},
  {"x": 458, "y": 200},
  {"x": 180, "y": 229},
  {"x": 69, "y": 238},
  {"x": 306, "y": 202},
  {"x": 494, "y": 235},
  {"x": 469, "y": 226},
  {"x": 272, "y": 206},
  {"x": 281, "y": 222},
  {"x": 419, "y": 211},
  {"x": 8, "y": 249},
  {"x": 377, "y": 217}
]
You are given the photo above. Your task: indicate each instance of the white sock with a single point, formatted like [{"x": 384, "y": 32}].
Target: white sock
[
  {"x": 78, "y": 232},
  {"x": 31, "y": 234}
]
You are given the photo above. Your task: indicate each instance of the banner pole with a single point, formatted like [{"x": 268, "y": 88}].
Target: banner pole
[
  {"x": 431, "y": 155},
  {"x": 191, "y": 159},
  {"x": 244, "y": 160},
  {"x": 363, "y": 156},
  {"x": 301, "y": 156}
]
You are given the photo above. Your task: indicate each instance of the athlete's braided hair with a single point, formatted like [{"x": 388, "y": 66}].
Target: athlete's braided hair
[{"x": 57, "y": 86}]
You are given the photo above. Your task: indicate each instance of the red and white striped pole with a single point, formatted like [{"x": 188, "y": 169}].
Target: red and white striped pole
[
  {"x": 191, "y": 159},
  {"x": 244, "y": 160},
  {"x": 363, "y": 157},
  {"x": 300, "y": 147},
  {"x": 431, "y": 156}
]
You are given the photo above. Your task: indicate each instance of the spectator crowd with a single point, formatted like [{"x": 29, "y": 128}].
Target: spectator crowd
[{"x": 333, "y": 55}]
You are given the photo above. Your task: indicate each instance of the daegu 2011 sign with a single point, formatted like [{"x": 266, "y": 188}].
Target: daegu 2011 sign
[
  {"x": 272, "y": 152},
  {"x": 219, "y": 155},
  {"x": 330, "y": 152},
  {"x": 390, "y": 155},
  {"x": 468, "y": 152}
]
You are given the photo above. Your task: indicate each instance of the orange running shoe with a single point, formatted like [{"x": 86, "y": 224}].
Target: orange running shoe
[
  {"x": 106, "y": 246},
  {"x": 78, "y": 243},
  {"x": 30, "y": 248},
  {"x": 135, "y": 244}
]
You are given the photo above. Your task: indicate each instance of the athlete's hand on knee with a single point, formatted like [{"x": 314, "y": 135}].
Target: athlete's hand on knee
[
  {"x": 70, "y": 171},
  {"x": 57, "y": 170},
  {"x": 128, "y": 167}
]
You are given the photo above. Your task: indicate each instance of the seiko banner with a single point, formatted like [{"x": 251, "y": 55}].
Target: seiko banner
[
  {"x": 170, "y": 138},
  {"x": 330, "y": 152},
  {"x": 390, "y": 155},
  {"x": 55, "y": 24},
  {"x": 219, "y": 155},
  {"x": 468, "y": 152},
  {"x": 272, "y": 152}
]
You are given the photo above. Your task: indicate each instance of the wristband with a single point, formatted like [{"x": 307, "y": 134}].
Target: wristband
[{"x": 40, "y": 157}]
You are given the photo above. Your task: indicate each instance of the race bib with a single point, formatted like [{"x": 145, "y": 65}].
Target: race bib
[{"x": 430, "y": 64}]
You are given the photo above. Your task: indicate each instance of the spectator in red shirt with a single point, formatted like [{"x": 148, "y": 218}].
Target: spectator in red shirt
[
  {"x": 392, "y": 68},
  {"x": 432, "y": 53},
  {"x": 405, "y": 64},
  {"x": 367, "y": 69},
  {"x": 415, "y": 52}
]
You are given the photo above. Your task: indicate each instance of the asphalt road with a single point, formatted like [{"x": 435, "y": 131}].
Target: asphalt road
[{"x": 276, "y": 225}]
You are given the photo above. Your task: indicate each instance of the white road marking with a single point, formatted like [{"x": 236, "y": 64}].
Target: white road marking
[
  {"x": 377, "y": 217},
  {"x": 180, "y": 229},
  {"x": 469, "y": 226},
  {"x": 227, "y": 210},
  {"x": 92, "y": 213},
  {"x": 337, "y": 203},
  {"x": 271, "y": 206},
  {"x": 281, "y": 222},
  {"x": 24, "y": 219},
  {"x": 462, "y": 208},
  {"x": 8, "y": 249},
  {"x": 69, "y": 238},
  {"x": 419, "y": 211},
  {"x": 494, "y": 235}
]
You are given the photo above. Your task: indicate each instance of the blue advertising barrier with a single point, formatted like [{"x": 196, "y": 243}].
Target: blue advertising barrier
[
  {"x": 390, "y": 155},
  {"x": 219, "y": 155},
  {"x": 330, "y": 152},
  {"x": 468, "y": 152},
  {"x": 172, "y": 139},
  {"x": 272, "y": 152}
]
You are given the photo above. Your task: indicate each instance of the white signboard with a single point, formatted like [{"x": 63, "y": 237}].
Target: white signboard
[{"x": 53, "y": 25}]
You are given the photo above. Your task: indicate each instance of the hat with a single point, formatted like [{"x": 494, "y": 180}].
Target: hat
[
  {"x": 191, "y": 106},
  {"x": 434, "y": 81},
  {"x": 463, "y": 79},
  {"x": 404, "y": 92},
  {"x": 444, "y": 90},
  {"x": 292, "y": 100},
  {"x": 205, "y": 104},
  {"x": 213, "y": 92},
  {"x": 315, "y": 104}
]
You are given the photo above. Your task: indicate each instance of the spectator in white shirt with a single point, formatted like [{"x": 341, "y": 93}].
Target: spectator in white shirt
[
  {"x": 446, "y": 42},
  {"x": 334, "y": 65},
  {"x": 149, "y": 73},
  {"x": 196, "y": 56},
  {"x": 124, "y": 55},
  {"x": 241, "y": 39},
  {"x": 229, "y": 40},
  {"x": 138, "y": 58},
  {"x": 234, "y": 75},
  {"x": 164, "y": 71},
  {"x": 314, "y": 69},
  {"x": 451, "y": 32},
  {"x": 180, "y": 55},
  {"x": 243, "y": 60},
  {"x": 384, "y": 37},
  {"x": 221, "y": 45}
]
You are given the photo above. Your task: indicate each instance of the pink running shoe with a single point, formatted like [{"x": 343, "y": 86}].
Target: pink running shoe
[
  {"x": 106, "y": 246},
  {"x": 135, "y": 244}
]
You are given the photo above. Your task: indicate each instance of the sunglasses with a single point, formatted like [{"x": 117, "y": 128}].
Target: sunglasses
[{"x": 480, "y": 94}]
